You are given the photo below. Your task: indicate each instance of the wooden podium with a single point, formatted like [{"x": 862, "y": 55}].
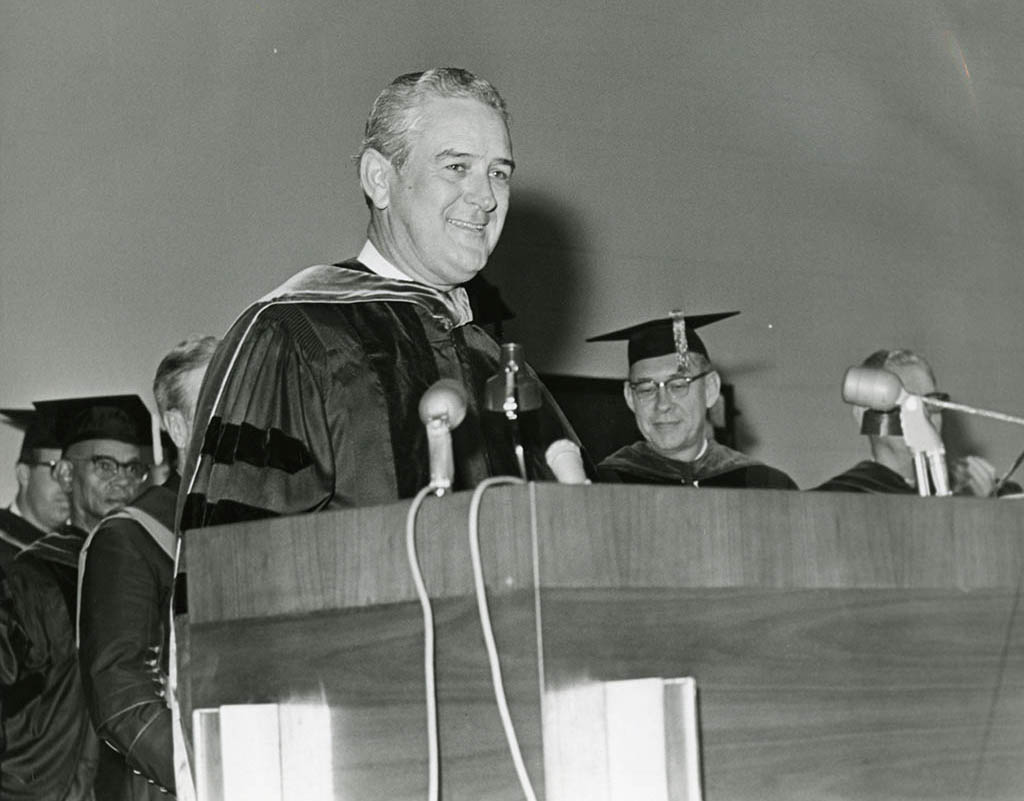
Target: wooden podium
[{"x": 843, "y": 646}]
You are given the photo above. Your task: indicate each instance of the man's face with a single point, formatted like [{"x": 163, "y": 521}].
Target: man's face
[
  {"x": 445, "y": 207},
  {"x": 674, "y": 426},
  {"x": 41, "y": 497},
  {"x": 92, "y": 495}
]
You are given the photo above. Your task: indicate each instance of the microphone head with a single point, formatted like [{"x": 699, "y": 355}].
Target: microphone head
[
  {"x": 873, "y": 388},
  {"x": 564, "y": 459},
  {"x": 445, "y": 399}
]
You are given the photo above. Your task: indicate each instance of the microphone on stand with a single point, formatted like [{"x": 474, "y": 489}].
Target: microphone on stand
[
  {"x": 442, "y": 408},
  {"x": 881, "y": 390},
  {"x": 510, "y": 392},
  {"x": 564, "y": 459}
]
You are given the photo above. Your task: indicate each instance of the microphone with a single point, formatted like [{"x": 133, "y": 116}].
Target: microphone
[
  {"x": 510, "y": 390},
  {"x": 563, "y": 457},
  {"x": 877, "y": 389},
  {"x": 442, "y": 408}
]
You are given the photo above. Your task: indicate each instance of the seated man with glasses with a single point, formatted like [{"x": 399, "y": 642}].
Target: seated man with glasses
[
  {"x": 52, "y": 750},
  {"x": 671, "y": 386},
  {"x": 890, "y": 471},
  {"x": 41, "y": 505}
]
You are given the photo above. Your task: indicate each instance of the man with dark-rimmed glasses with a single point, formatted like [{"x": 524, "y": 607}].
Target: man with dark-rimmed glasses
[
  {"x": 51, "y": 749},
  {"x": 672, "y": 384}
]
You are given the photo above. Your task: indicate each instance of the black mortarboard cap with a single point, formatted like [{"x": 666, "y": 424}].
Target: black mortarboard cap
[
  {"x": 675, "y": 333},
  {"x": 40, "y": 431},
  {"x": 124, "y": 418}
]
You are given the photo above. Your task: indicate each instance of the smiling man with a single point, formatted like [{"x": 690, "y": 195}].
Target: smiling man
[
  {"x": 311, "y": 400},
  {"x": 671, "y": 386}
]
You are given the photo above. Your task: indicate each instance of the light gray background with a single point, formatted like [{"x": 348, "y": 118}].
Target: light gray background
[{"x": 847, "y": 174}]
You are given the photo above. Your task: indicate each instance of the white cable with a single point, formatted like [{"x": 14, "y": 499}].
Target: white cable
[
  {"x": 433, "y": 754},
  {"x": 485, "y": 624}
]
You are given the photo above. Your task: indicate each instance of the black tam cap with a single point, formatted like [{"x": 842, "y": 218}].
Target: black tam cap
[
  {"x": 40, "y": 431},
  {"x": 124, "y": 418},
  {"x": 676, "y": 333}
]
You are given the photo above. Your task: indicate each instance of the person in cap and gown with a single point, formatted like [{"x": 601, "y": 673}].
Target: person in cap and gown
[
  {"x": 127, "y": 570},
  {"x": 311, "y": 402},
  {"x": 672, "y": 384},
  {"x": 51, "y": 750},
  {"x": 41, "y": 504},
  {"x": 890, "y": 470}
]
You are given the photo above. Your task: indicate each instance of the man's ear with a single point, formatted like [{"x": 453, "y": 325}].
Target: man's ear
[
  {"x": 64, "y": 472},
  {"x": 712, "y": 388},
  {"x": 627, "y": 393},
  {"x": 858, "y": 415},
  {"x": 375, "y": 175},
  {"x": 23, "y": 473},
  {"x": 177, "y": 428}
]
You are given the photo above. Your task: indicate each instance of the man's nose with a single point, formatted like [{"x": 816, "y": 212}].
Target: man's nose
[
  {"x": 663, "y": 399},
  {"x": 480, "y": 193}
]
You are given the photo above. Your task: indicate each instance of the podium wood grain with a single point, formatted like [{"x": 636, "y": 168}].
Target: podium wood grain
[{"x": 844, "y": 646}]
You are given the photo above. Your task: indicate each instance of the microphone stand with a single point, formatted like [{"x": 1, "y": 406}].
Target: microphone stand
[
  {"x": 926, "y": 445},
  {"x": 511, "y": 394},
  {"x": 510, "y": 407}
]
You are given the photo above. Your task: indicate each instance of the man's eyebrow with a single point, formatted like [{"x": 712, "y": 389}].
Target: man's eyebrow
[{"x": 449, "y": 153}]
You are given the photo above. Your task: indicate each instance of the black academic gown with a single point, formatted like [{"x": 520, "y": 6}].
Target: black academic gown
[
  {"x": 123, "y": 649},
  {"x": 51, "y": 749},
  {"x": 868, "y": 476},
  {"x": 311, "y": 400},
  {"x": 718, "y": 466},
  {"x": 16, "y": 534}
]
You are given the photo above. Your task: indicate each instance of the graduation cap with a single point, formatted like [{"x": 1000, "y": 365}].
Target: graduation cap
[
  {"x": 676, "y": 333},
  {"x": 40, "y": 431},
  {"x": 124, "y": 418}
]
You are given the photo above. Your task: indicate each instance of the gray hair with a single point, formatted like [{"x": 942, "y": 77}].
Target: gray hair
[
  {"x": 394, "y": 114},
  {"x": 898, "y": 357},
  {"x": 188, "y": 355}
]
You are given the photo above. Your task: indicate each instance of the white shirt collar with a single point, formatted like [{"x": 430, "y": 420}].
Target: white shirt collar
[{"x": 371, "y": 257}]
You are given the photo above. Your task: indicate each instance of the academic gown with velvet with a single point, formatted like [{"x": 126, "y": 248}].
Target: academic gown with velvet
[
  {"x": 868, "y": 476},
  {"x": 51, "y": 749},
  {"x": 718, "y": 466},
  {"x": 311, "y": 400}
]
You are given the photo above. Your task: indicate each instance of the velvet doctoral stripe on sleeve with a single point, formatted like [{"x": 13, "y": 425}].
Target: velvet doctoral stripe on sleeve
[{"x": 312, "y": 401}]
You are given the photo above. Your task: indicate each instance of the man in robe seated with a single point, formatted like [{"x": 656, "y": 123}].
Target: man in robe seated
[
  {"x": 890, "y": 470},
  {"x": 672, "y": 384}
]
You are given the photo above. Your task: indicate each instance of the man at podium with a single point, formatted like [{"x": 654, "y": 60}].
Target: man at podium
[
  {"x": 671, "y": 386},
  {"x": 311, "y": 400}
]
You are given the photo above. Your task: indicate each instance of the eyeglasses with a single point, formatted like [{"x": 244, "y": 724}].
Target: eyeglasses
[
  {"x": 678, "y": 386},
  {"x": 107, "y": 467},
  {"x": 50, "y": 464}
]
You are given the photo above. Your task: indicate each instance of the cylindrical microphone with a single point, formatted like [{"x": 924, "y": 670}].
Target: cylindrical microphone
[
  {"x": 563, "y": 457},
  {"x": 442, "y": 408},
  {"x": 873, "y": 388}
]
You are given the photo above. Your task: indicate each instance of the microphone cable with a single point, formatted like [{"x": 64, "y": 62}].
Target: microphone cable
[
  {"x": 488, "y": 632},
  {"x": 429, "y": 678}
]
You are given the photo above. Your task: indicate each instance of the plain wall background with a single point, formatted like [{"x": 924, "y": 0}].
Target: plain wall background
[{"x": 849, "y": 175}]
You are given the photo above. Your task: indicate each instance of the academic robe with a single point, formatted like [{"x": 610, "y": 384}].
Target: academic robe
[
  {"x": 718, "y": 466},
  {"x": 16, "y": 534},
  {"x": 868, "y": 476},
  {"x": 124, "y": 628},
  {"x": 51, "y": 749},
  {"x": 311, "y": 400}
]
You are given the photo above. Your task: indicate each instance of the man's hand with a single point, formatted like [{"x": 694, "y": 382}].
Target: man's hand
[{"x": 972, "y": 475}]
